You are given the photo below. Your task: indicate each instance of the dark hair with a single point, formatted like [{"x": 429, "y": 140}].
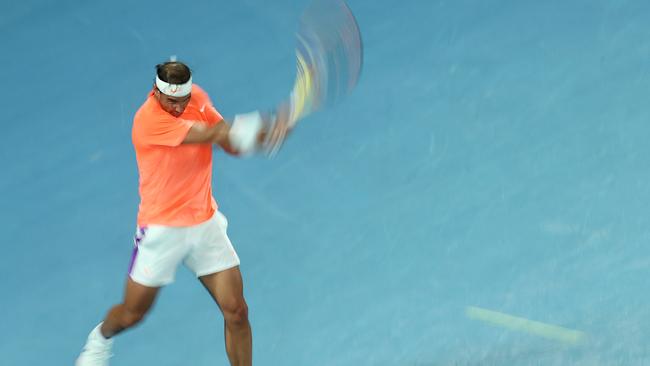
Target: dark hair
[{"x": 173, "y": 72}]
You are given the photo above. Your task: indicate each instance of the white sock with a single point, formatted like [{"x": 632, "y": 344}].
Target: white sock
[{"x": 97, "y": 334}]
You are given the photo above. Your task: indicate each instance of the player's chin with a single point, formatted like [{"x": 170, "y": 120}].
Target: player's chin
[{"x": 175, "y": 113}]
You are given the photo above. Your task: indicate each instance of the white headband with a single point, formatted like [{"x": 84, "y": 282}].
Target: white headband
[{"x": 174, "y": 90}]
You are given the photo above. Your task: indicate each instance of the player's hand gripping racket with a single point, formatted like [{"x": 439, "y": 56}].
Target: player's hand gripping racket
[{"x": 329, "y": 59}]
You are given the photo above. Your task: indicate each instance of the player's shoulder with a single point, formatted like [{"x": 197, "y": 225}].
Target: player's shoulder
[
  {"x": 147, "y": 106},
  {"x": 150, "y": 112},
  {"x": 199, "y": 93}
]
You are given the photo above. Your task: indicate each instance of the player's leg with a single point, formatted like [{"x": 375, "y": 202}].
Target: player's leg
[
  {"x": 158, "y": 251},
  {"x": 156, "y": 256},
  {"x": 215, "y": 262},
  {"x": 138, "y": 299},
  {"x": 226, "y": 288}
]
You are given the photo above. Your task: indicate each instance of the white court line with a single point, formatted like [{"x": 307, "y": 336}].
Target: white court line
[{"x": 548, "y": 331}]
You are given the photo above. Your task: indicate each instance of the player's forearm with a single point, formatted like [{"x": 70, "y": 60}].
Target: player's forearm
[
  {"x": 222, "y": 138},
  {"x": 199, "y": 133},
  {"x": 233, "y": 140},
  {"x": 219, "y": 134},
  {"x": 247, "y": 134}
]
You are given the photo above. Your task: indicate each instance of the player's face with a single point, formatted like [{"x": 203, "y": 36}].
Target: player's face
[{"x": 172, "y": 105}]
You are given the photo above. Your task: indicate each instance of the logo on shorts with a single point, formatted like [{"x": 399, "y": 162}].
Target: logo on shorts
[{"x": 139, "y": 235}]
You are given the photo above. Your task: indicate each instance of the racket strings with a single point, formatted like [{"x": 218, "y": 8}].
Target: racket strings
[{"x": 329, "y": 58}]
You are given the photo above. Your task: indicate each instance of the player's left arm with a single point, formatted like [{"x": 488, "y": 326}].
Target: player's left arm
[
  {"x": 224, "y": 143},
  {"x": 221, "y": 128},
  {"x": 248, "y": 132}
]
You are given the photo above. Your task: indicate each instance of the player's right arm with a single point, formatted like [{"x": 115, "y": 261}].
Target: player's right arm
[
  {"x": 217, "y": 134},
  {"x": 244, "y": 135},
  {"x": 200, "y": 133}
]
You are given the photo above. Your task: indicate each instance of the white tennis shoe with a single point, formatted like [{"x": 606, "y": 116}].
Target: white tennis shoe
[{"x": 97, "y": 350}]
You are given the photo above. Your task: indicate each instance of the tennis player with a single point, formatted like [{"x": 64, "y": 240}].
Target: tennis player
[{"x": 178, "y": 218}]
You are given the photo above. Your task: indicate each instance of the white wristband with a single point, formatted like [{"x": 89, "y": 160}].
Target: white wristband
[{"x": 244, "y": 131}]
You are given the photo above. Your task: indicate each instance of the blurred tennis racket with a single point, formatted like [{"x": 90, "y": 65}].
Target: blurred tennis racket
[{"x": 329, "y": 59}]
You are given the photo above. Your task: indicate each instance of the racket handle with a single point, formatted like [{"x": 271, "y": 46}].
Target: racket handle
[{"x": 277, "y": 129}]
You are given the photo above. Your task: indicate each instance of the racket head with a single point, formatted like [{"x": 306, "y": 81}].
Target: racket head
[{"x": 329, "y": 57}]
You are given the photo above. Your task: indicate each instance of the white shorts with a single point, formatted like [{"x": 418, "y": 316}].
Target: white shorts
[{"x": 204, "y": 249}]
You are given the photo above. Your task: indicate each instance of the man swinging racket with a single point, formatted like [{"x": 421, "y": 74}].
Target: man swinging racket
[{"x": 178, "y": 219}]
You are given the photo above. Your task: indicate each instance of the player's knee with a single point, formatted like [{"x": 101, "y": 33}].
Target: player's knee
[{"x": 236, "y": 312}]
